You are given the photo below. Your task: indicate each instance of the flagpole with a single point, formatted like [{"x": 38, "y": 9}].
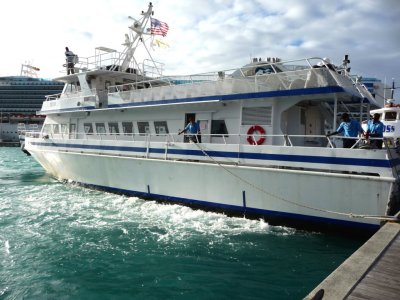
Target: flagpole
[{"x": 138, "y": 28}]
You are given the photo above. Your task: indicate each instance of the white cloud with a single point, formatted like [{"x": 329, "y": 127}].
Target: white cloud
[{"x": 207, "y": 35}]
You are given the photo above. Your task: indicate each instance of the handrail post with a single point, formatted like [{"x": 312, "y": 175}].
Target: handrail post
[
  {"x": 239, "y": 144},
  {"x": 147, "y": 145},
  {"x": 330, "y": 142},
  {"x": 290, "y": 141},
  {"x": 166, "y": 147},
  {"x": 286, "y": 140},
  {"x": 223, "y": 138}
]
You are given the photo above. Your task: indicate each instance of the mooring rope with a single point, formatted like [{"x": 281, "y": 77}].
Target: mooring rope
[{"x": 350, "y": 215}]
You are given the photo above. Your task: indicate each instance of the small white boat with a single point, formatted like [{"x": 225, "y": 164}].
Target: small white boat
[{"x": 263, "y": 150}]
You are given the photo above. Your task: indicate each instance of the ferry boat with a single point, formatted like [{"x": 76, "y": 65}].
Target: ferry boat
[{"x": 262, "y": 150}]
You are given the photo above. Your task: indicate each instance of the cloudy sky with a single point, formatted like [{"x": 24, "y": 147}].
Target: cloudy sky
[{"x": 207, "y": 35}]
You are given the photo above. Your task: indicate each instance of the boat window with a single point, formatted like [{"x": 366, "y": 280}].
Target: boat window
[
  {"x": 113, "y": 128},
  {"x": 218, "y": 127},
  {"x": 127, "y": 127},
  {"x": 390, "y": 116},
  {"x": 161, "y": 127},
  {"x": 257, "y": 115},
  {"x": 88, "y": 128},
  {"x": 72, "y": 128},
  {"x": 143, "y": 127},
  {"x": 64, "y": 128},
  {"x": 46, "y": 129},
  {"x": 264, "y": 70},
  {"x": 72, "y": 87},
  {"x": 100, "y": 128},
  {"x": 56, "y": 129}
]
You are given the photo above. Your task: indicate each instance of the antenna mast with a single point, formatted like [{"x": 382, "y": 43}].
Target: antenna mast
[{"x": 137, "y": 30}]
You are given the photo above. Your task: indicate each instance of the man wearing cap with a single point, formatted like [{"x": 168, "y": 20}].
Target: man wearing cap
[{"x": 350, "y": 128}]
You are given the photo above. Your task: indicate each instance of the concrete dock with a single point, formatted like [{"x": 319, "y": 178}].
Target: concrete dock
[{"x": 372, "y": 272}]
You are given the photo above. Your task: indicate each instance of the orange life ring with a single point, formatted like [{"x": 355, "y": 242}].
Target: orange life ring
[{"x": 256, "y": 129}]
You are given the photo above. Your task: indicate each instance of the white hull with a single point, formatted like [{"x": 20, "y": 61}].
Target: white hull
[{"x": 274, "y": 193}]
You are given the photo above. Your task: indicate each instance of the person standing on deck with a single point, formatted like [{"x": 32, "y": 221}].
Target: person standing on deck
[
  {"x": 193, "y": 130},
  {"x": 375, "y": 129},
  {"x": 350, "y": 128},
  {"x": 69, "y": 57}
]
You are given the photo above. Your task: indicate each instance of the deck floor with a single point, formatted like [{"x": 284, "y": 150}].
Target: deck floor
[
  {"x": 382, "y": 281},
  {"x": 372, "y": 272}
]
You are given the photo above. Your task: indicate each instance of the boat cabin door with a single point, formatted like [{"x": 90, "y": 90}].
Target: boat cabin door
[
  {"x": 188, "y": 117},
  {"x": 72, "y": 128},
  {"x": 202, "y": 119},
  {"x": 313, "y": 124}
]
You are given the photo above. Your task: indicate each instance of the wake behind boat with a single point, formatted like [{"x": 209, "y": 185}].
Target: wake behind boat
[{"x": 262, "y": 149}]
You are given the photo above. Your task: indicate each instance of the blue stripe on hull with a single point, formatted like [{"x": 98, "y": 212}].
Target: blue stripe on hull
[
  {"x": 243, "y": 155},
  {"x": 268, "y": 214}
]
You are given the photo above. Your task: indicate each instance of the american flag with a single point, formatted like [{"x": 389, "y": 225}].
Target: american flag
[{"x": 158, "y": 27}]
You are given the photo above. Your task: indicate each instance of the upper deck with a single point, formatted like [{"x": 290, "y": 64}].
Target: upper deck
[{"x": 260, "y": 79}]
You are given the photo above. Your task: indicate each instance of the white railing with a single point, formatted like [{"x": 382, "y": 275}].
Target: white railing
[
  {"x": 113, "y": 60},
  {"x": 314, "y": 141},
  {"x": 257, "y": 77},
  {"x": 105, "y": 60},
  {"x": 173, "y": 147},
  {"x": 72, "y": 95},
  {"x": 289, "y": 75}
]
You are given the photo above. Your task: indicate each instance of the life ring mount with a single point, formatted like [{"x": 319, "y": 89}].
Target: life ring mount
[{"x": 256, "y": 130}]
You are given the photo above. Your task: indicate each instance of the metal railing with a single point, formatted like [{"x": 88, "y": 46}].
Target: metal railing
[
  {"x": 296, "y": 74},
  {"x": 72, "y": 95},
  {"x": 314, "y": 141},
  {"x": 112, "y": 60},
  {"x": 256, "y": 77}
]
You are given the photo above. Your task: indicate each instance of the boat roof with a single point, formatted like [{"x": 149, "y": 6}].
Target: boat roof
[
  {"x": 386, "y": 108},
  {"x": 103, "y": 73}
]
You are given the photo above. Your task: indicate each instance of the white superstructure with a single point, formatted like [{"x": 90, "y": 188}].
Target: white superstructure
[{"x": 263, "y": 149}]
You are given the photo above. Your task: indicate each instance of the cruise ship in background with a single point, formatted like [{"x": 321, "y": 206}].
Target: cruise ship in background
[{"x": 20, "y": 98}]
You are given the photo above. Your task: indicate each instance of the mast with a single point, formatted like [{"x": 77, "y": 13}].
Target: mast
[
  {"x": 391, "y": 99},
  {"x": 392, "y": 90},
  {"x": 135, "y": 37}
]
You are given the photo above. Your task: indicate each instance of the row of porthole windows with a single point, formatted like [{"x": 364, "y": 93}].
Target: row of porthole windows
[
  {"x": 109, "y": 128},
  {"x": 142, "y": 127}
]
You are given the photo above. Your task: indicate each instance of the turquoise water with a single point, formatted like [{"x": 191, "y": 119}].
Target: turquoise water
[{"x": 62, "y": 241}]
